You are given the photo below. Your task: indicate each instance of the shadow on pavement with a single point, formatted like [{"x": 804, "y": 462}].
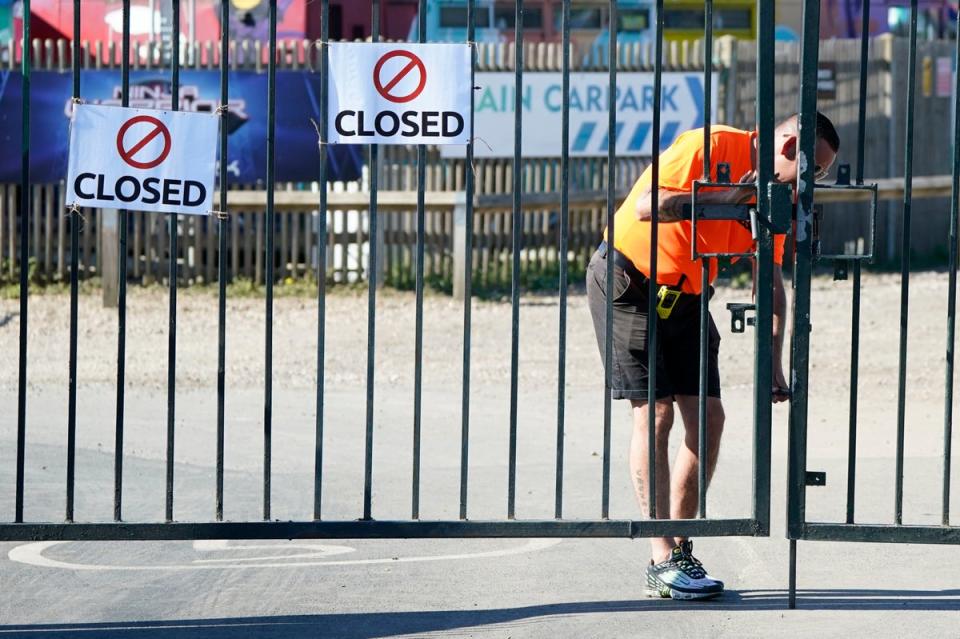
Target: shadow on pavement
[{"x": 384, "y": 624}]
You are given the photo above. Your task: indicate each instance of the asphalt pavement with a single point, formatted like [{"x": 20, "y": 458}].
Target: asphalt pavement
[{"x": 443, "y": 588}]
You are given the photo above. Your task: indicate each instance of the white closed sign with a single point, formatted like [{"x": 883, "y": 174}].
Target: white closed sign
[
  {"x": 142, "y": 159},
  {"x": 399, "y": 93}
]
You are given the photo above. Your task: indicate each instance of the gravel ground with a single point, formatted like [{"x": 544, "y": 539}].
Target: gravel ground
[
  {"x": 574, "y": 589},
  {"x": 295, "y": 340}
]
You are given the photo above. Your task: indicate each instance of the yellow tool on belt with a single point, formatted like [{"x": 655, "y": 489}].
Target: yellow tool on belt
[{"x": 666, "y": 301}]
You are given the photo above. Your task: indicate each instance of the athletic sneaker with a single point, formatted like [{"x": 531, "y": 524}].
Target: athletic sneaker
[
  {"x": 681, "y": 576},
  {"x": 687, "y": 548}
]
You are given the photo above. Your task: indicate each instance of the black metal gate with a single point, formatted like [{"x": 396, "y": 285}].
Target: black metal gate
[
  {"x": 807, "y": 254},
  {"x": 314, "y": 524},
  {"x": 770, "y": 214}
]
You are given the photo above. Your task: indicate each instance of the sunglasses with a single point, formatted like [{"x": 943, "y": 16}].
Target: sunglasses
[{"x": 821, "y": 172}]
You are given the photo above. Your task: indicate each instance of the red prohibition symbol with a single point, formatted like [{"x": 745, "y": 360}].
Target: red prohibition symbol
[
  {"x": 384, "y": 86},
  {"x": 159, "y": 128}
]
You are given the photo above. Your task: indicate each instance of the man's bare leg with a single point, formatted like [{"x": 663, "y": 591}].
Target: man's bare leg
[
  {"x": 686, "y": 467},
  {"x": 660, "y": 546}
]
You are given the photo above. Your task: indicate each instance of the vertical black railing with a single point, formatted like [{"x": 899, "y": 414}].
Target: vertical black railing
[
  {"x": 467, "y": 275},
  {"x": 122, "y": 292},
  {"x": 951, "y": 297},
  {"x": 223, "y": 228},
  {"x": 564, "y": 232},
  {"x": 855, "y": 301},
  {"x": 763, "y": 335},
  {"x": 702, "y": 461},
  {"x": 372, "y": 281},
  {"x": 172, "y": 276},
  {"x": 612, "y": 60},
  {"x": 652, "y": 290},
  {"x": 75, "y": 220},
  {"x": 24, "y": 258},
  {"x": 418, "y": 330},
  {"x": 321, "y": 261},
  {"x": 270, "y": 256},
  {"x": 517, "y": 220},
  {"x": 905, "y": 263},
  {"x": 803, "y": 261}
]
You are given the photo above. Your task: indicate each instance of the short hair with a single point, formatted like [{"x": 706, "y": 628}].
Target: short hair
[
  {"x": 827, "y": 132},
  {"x": 825, "y": 129}
]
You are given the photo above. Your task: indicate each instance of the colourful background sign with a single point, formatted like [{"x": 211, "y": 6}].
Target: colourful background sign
[
  {"x": 298, "y": 156},
  {"x": 682, "y": 103}
]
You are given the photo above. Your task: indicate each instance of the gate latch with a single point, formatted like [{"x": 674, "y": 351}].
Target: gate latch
[
  {"x": 815, "y": 478},
  {"x": 738, "y": 318}
]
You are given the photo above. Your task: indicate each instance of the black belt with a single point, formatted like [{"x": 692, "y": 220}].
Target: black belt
[
  {"x": 623, "y": 262},
  {"x": 636, "y": 275}
]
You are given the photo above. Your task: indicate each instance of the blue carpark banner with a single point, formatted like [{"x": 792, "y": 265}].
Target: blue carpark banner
[
  {"x": 682, "y": 107},
  {"x": 298, "y": 102}
]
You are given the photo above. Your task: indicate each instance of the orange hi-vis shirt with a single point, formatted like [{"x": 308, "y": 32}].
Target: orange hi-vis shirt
[{"x": 680, "y": 165}]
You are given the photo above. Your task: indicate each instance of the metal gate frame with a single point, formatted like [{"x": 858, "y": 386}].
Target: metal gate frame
[
  {"x": 367, "y": 527},
  {"x": 806, "y": 255}
]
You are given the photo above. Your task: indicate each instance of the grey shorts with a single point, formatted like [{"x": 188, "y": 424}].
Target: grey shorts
[{"x": 678, "y": 337}]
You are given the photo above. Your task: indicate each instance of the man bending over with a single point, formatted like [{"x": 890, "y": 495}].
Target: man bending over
[{"x": 673, "y": 570}]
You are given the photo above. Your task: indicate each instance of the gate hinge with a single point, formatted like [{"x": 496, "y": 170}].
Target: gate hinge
[
  {"x": 815, "y": 478},
  {"x": 781, "y": 207},
  {"x": 840, "y": 268}
]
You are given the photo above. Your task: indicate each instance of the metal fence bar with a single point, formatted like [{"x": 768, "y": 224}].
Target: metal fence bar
[
  {"x": 611, "y": 214},
  {"x": 467, "y": 277},
  {"x": 361, "y": 529},
  {"x": 862, "y": 104},
  {"x": 517, "y": 223},
  {"x": 702, "y": 461},
  {"x": 418, "y": 330},
  {"x": 763, "y": 334},
  {"x": 881, "y": 533},
  {"x": 652, "y": 289},
  {"x": 222, "y": 273},
  {"x": 951, "y": 301},
  {"x": 75, "y": 221},
  {"x": 905, "y": 264},
  {"x": 803, "y": 262},
  {"x": 854, "y": 377},
  {"x": 24, "y": 260},
  {"x": 372, "y": 277},
  {"x": 122, "y": 293},
  {"x": 270, "y": 257},
  {"x": 564, "y": 247},
  {"x": 855, "y": 302},
  {"x": 321, "y": 262},
  {"x": 172, "y": 276}
]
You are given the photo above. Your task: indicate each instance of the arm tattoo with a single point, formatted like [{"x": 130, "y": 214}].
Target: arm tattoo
[{"x": 671, "y": 207}]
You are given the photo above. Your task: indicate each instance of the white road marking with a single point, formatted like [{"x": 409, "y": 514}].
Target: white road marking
[
  {"x": 318, "y": 550},
  {"x": 32, "y": 554}
]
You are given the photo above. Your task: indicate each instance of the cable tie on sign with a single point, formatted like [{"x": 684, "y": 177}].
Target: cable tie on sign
[
  {"x": 475, "y": 138},
  {"x": 220, "y": 215},
  {"x": 223, "y": 108},
  {"x": 76, "y": 100},
  {"x": 316, "y": 127},
  {"x": 473, "y": 166},
  {"x": 74, "y": 209}
]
